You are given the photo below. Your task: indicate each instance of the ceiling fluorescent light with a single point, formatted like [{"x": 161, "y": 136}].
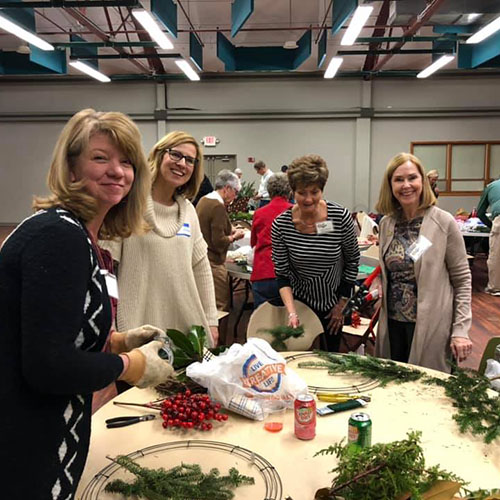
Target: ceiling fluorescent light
[
  {"x": 24, "y": 34},
  {"x": 151, "y": 26},
  {"x": 188, "y": 70},
  {"x": 442, "y": 61},
  {"x": 358, "y": 20},
  {"x": 333, "y": 67},
  {"x": 89, "y": 70},
  {"x": 485, "y": 32}
]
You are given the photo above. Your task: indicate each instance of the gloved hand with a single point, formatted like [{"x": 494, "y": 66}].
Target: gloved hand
[
  {"x": 146, "y": 368},
  {"x": 126, "y": 341}
]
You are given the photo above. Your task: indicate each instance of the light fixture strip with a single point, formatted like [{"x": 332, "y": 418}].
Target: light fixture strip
[
  {"x": 25, "y": 35},
  {"x": 442, "y": 61},
  {"x": 187, "y": 69},
  {"x": 89, "y": 70},
  {"x": 333, "y": 66},
  {"x": 151, "y": 26},
  {"x": 485, "y": 32},
  {"x": 359, "y": 18}
]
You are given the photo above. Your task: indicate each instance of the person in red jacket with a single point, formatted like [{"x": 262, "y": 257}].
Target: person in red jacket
[{"x": 264, "y": 286}]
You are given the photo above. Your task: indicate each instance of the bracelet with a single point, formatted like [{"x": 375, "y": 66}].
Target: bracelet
[{"x": 292, "y": 314}]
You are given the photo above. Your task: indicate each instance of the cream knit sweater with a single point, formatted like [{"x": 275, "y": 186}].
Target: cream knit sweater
[{"x": 164, "y": 276}]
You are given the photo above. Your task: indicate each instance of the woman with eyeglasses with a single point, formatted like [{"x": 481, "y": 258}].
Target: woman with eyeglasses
[{"x": 164, "y": 276}]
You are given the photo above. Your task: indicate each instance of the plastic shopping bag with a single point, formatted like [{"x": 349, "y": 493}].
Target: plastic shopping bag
[
  {"x": 493, "y": 372},
  {"x": 250, "y": 379}
]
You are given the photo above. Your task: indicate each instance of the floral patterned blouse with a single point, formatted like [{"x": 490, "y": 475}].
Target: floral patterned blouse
[{"x": 402, "y": 285}]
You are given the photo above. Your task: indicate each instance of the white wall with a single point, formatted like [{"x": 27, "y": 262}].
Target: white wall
[{"x": 271, "y": 119}]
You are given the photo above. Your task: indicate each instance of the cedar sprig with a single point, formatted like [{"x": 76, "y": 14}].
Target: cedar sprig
[
  {"x": 478, "y": 412},
  {"x": 282, "y": 333},
  {"x": 382, "y": 471},
  {"x": 383, "y": 370},
  {"x": 178, "y": 483}
]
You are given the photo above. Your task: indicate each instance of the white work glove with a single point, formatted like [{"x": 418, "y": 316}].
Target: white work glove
[
  {"x": 131, "y": 339},
  {"x": 146, "y": 368}
]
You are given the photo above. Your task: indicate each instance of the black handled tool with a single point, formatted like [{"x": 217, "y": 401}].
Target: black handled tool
[{"x": 111, "y": 423}]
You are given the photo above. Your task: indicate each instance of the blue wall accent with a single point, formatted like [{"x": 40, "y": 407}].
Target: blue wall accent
[
  {"x": 85, "y": 53},
  {"x": 241, "y": 10},
  {"x": 54, "y": 60},
  {"x": 263, "y": 58},
  {"x": 455, "y": 28},
  {"x": 341, "y": 11},
  {"x": 445, "y": 46},
  {"x": 322, "y": 49},
  {"x": 482, "y": 54},
  {"x": 166, "y": 12},
  {"x": 23, "y": 17},
  {"x": 226, "y": 52},
  {"x": 39, "y": 62},
  {"x": 195, "y": 51}
]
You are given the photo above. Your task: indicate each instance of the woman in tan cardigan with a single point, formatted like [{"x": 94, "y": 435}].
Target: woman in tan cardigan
[{"x": 426, "y": 280}]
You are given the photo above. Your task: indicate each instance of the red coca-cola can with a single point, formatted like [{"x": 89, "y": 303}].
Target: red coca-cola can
[{"x": 305, "y": 416}]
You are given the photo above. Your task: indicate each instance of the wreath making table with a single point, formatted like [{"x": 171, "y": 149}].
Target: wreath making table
[{"x": 282, "y": 465}]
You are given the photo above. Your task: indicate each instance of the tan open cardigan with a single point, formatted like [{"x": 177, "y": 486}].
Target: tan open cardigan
[{"x": 444, "y": 291}]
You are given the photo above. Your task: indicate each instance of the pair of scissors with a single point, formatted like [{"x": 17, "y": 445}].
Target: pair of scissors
[{"x": 123, "y": 421}]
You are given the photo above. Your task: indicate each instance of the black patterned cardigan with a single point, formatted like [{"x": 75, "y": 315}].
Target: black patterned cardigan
[{"x": 55, "y": 317}]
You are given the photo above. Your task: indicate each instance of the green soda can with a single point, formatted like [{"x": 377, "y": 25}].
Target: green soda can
[{"x": 360, "y": 430}]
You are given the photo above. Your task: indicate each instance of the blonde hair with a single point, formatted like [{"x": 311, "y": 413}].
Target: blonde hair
[
  {"x": 387, "y": 203},
  {"x": 433, "y": 173},
  {"x": 171, "y": 140},
  {"x": 122, "y": 219},
  {"x": 307, "y": 170}
]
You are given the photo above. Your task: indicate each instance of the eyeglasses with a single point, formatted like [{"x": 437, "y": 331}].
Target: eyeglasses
[{"x": 178, "y": 156}]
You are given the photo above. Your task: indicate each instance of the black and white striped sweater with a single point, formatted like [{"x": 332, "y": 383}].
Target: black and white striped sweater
[{"x": 319, "y": 267}]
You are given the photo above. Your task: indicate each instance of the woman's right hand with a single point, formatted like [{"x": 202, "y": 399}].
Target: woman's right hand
[
  {"x": 238, "y": 234},
  {"x": 293, "y": 320},
  {"x": 146, "y": 368}
]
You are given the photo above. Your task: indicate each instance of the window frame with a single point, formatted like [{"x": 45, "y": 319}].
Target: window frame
[{"x": 449, "y": 147}]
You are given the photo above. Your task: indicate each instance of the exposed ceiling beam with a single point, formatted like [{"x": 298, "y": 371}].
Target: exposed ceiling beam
[
  {"x": 424, "y": 16},
  {"x": 193, "y": 29},
  {"x": 372, "y": 57},
  {"x": 155, "y": 63},
  {"x": 135, "y": 56},
  {"x": 85, "y": 21},
  {"x": 392, "y": 51}
]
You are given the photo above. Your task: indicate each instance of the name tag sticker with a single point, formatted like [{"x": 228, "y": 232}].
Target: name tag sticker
[
  {"x": 325, "y": 226},
  {"x": 185, "y": 230},
  {"x": 111, "y": 283},
  {"x": 418, "y": 248}
]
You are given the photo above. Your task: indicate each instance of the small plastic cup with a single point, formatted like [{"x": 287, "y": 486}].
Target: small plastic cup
[{"x": 274, "y": 421}]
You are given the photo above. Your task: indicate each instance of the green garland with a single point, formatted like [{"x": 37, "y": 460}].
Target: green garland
[
  {"x": 477, "y": 411},
  {"x": 383, "y": 370},
  {"x": 385, "y": 471},
  {"x": 179, "y": 483},
  {"x": 282, "y": 333}
]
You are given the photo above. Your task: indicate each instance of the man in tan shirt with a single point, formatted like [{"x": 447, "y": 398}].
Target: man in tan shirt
[{"x": 218, "y": 231}]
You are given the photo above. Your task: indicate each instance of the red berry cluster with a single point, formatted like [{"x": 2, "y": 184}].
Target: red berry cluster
[{"x": 190, "y": 411}]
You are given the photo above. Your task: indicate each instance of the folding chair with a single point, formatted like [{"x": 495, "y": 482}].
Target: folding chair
[
  {"x": 489, "y": 353},
  {"x": 267, "y": 316},
  {"x": 364, "y": 334}
]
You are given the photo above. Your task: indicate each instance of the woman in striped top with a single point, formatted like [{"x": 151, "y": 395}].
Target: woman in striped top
[{"x": 315, "y": 249}]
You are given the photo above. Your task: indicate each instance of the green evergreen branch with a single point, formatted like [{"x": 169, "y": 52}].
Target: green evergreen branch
[
  {"x": 178, "y": 483},
  {"x": 477, "y": 411},
  {"x": 382, "y": 471},
  {"x": 282, "y": 333},
  {"x": 383, "y": 370}
]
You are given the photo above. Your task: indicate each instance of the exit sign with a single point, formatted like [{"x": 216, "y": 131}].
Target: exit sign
[{"x": 210, "y": 141}]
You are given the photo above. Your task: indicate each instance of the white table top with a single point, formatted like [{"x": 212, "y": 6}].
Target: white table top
[
  {"x": 475, "y": 234},
  {"x": 394, "y": 410}
]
